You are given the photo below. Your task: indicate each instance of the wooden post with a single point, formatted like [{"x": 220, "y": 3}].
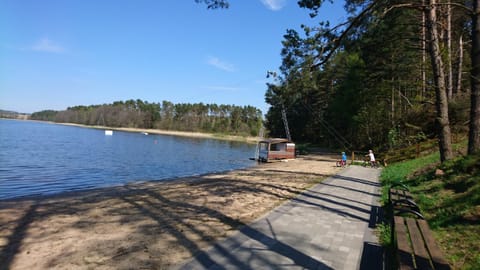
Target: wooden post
[{"x": 353, "y": 157}]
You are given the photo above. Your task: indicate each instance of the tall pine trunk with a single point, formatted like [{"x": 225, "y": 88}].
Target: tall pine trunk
[
  {"x": 424, "y": 53},
  {"x": 442, "y": 120},
  {"x": 449, "y": 52},
  {"x": 458, "y": 84},
  {"x": 474, "y": 133}
]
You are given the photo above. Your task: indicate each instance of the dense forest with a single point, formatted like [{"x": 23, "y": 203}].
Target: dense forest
[
  {"x": 378, "y": 80},
  {"x": 198, "y": 117}
]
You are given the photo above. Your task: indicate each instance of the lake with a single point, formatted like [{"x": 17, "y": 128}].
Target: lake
[{"x": 39, "y": 158}]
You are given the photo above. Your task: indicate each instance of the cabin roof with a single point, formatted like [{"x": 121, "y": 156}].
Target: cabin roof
[{"x": 275, "y": 140}]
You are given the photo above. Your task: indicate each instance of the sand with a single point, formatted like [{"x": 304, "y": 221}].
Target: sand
[
  {"x": 153, "y": 225},
  {"x": 202, "y": 135}
]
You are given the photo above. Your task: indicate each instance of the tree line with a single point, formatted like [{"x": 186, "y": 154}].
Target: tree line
[
  {"x": 394, "y": 73},
  {"x": 196, "y": 117},
  {"x": 13, "y": 115}
]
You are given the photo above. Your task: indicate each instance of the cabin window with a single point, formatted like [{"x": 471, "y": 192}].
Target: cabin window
[
  {"x": 263, "y": 146},
  {"x": 277, "y": 147}
]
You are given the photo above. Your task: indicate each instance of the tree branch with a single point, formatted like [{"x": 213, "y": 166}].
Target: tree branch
[
  {"x": 337, "y": 42},
  {"x": 406, "y": 98},
  {"x": 419, "y": 6},
  {"x": 214, "y": 4},
  {"x": 401, "y": 6},
  {"x": 355, "y": 21}
]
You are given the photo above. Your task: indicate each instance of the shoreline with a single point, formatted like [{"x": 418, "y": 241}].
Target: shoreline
[
  {"x": 216, "y": 136},
  {"x": 187, "y": 134},
  {"x": 115, "y": 188},
  {"x": 150, "y": 224}
]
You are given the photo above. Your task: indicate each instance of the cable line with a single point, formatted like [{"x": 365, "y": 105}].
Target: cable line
[{"x": 332, "y": 131}]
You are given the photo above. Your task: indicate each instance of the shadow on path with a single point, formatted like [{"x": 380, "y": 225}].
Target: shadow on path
[
  {"x": 356, "y": 180},
  {"x": 373, "y": 253},
  {"x": 328, "y": 183},
  {"x": 299, "y": 258},
  {"x": 237, "y": 250},
  {"x": 334, "y": 210}
]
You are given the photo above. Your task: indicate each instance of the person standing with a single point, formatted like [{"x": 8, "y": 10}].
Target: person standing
[{"x": 372, "y": 158}]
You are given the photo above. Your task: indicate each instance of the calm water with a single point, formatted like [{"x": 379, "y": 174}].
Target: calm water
[{"x": 41, "y": 158}]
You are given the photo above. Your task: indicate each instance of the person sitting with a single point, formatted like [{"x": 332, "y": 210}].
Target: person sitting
[{"x": 344, "y": 159}]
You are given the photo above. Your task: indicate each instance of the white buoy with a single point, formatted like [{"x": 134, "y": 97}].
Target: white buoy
[{"x": 108, "y": 132}]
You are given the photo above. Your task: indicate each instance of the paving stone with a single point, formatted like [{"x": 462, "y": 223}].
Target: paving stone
[{"x": 324, "y": 230}]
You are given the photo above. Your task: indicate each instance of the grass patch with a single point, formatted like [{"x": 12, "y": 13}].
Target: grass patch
[
  {"x": 384, "y": 232},
  {"x": 398, "y": 172},
  {"x": 450, "y": 202}
]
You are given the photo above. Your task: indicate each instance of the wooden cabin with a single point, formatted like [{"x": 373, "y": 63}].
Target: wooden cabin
[{"x": 275, "y": 149}]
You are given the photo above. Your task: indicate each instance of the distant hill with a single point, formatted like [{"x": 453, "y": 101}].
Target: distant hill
[{"x": 14, "y": 115}]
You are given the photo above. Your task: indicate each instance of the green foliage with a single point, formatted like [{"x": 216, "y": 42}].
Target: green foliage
[
  {"x": 392, "y": 138},
  {"x": 368, "y": 82},
  {"x": 399, "y": 172},
  {"x": 46, "y": 115},
  {"x": 420, "y": 147},
  {"x": 459, "y": 113},
  {"x": 450, "y": 202},
  {"x": 385, "y": 234},
  {"x": 349, "y": 89},
  {"x": 198, "y": 117},
  {"x": 453, "y": 208}
]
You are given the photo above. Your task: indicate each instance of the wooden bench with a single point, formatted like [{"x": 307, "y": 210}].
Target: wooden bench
[
  {"x": 400, "y": 199},
  {"x": 416, "y": 246}
]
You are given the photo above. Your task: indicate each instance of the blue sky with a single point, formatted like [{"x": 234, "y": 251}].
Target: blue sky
[{"x": 60, "y": 53}]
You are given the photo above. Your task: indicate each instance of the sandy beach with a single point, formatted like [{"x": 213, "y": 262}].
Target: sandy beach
[
  {"x": 171, "y": 133},
  {"x": 153, "y": 225}
]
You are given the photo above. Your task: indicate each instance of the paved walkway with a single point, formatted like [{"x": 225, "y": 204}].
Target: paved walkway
[{"x": 327, "y": 227}]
